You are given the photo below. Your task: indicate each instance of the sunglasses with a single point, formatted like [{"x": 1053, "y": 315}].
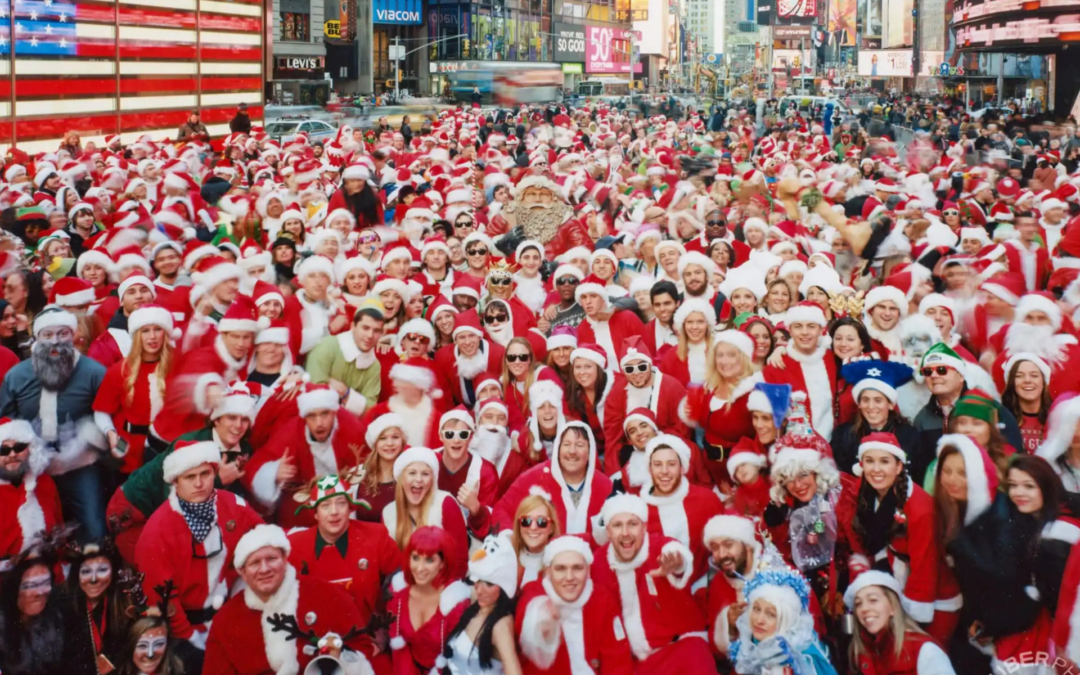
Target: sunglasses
[
  {"x": 476, "y": 251},
  {"x": 638, "y": 368},
  {"x": 716, "y": 223},
  {"x": 461, "y": 434},
  {"x": 950, "y": 212},
  {"x": 939, "y": 370},
  {"x": 417, "y": 337},
  {"x": 368, "y": 239},
  {"x": 462, "y": 224},
  {"x": 499, "y": 281},
  {"x": 6, "y": 450},
  {"x": 540, "y": 522},
  {"x": 566, "y": 281},
  {"x": 516, "y": 358},
  {"x": 495, "y": 318}
]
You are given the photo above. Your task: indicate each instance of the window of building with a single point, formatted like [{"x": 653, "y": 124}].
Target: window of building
[{"x": 295, "y": 27}]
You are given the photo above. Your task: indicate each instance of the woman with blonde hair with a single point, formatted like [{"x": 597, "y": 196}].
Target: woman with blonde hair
[
  {"x": 535, "y": 524},
  {"x": 887, "y": 640},
  {"x": 385, "y": 440},
  {"x": 133, "y": 391},
  {"x": 694, "y": 323},
  {"x": 520, "y": 370},
  {"x": 418, "y": 502},
  {"x": 720, "y": 407}
]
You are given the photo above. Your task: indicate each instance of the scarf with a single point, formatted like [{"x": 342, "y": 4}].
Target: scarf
[
  {"x": 877, "y": 524},
  {"x": 200, "y": 517}
]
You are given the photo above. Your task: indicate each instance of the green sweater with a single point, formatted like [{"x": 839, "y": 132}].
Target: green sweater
[
  {"x": 335, "y": 358},
  {"x": 146, "y": 488}
]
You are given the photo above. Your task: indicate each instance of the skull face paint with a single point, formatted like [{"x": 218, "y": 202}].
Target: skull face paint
[{"x": 95, "y": 575}]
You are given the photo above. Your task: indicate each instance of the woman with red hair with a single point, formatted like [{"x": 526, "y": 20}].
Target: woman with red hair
[{"x": 428, "y": 605}]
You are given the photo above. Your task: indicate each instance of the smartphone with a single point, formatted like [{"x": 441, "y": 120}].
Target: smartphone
[{"x": 121, "y": 447}]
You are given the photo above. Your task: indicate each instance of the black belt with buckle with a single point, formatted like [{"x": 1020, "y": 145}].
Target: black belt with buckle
[{"x": 140, "y": 429}]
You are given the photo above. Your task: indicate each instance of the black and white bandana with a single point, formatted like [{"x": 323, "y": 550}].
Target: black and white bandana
[{"x": 200, "y": 517}]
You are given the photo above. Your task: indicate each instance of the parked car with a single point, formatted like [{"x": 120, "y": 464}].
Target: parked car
[{"x": 284, "y": 130}]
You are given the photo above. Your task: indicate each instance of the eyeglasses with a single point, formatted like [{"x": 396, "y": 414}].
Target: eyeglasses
[
  {"x": 716, "y": 223},
  {"x": 416, "y": 337},
  {"x": 540, "y": 522},
  {"x": 516, "y": 358},
  {"x": 638, "y": 368},
  {"x": 495, "y": 318},
  {"x": 939, "y": 370},
  {"x": 6, "y": 450},
  {"x": 500, "y": 281},
  {"x": 566, "y": 281},
  {"x": 476, "y": 251},
  {"x": 462, "y": 435}
]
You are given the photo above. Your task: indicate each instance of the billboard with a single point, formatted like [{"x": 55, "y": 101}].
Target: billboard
[
  {"x": 607, "y": 50},
  {"x": 885, "y": 63},
  {"x": 870, "y": 17},
  {"x": 792, "y": 33},
  {"x": 796, "y": 9},
  {"x": 397, "y": 12},
  {"x": 843, "y": 17},
  {"x": 569, "y": 42}
]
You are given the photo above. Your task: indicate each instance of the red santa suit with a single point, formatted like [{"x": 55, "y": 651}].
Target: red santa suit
[
  {"x": 241, "y": 641},
  {"x": 308, "y": 321},
  {"x": 664, "y": 626},
  {"x": 477, "y": 472},
  {"x": 725, "y": 422},
  {"x": 662, "y": 398},
  {"x": 31, "y": 507},
  {"x": 370, "y": 557},
  {"x": 416, "y": 648},
  {"x": 457, "y": 383},
  {"x": 110, "y": 347},
  {"x": 659, "y": 339},
  {"x": 1032, "y": 261},
  {"x": 312, "y": 460},
  {"x": 814, "y": 375},
  {"x": 186, "y": 407},
  {"x": 547, "y": 479},
  {"x": 131, "y": 419},
  {"x": 611, "y": 333},
  {"x": 682, "y": 516},
  {"x": 165, "y": 552},
  {"x": 573, "y": 650}
]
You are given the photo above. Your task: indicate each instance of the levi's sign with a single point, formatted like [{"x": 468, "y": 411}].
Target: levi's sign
[
  {"x": 300, "y": 63},
  {"x": 400, "y": 12}
]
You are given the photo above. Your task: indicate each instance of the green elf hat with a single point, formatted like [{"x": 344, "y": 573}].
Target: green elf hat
[
  {"x": 942, "y": 354},
  {"x": 325, "y": 488},
  {"x": 980, "y": 405}
]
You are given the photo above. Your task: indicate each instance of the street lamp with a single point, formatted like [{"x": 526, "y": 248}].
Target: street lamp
[{"x": 401, "y": 57}]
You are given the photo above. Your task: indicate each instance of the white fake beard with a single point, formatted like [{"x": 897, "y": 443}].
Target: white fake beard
[
  {"x": 501, "y": 335},
  {"x": 472, "y": 366},
  {"x": 1039, "y": 340},
  {"x": 491, "y": 442},
  {"x": 247, "y": 284}
]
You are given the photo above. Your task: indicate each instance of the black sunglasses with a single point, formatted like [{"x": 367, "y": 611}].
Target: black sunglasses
[
  {"x": 463, "y": 224},
  {"x": 514, "y": 358},
  {"x": 940, "y": 370},
  {"x": 462, "y": 434},
  {"x": 495, "y": 318},
  {"x": 716, "y": 223},
  {"x": 567, "y": 281},
  {"x": 500, "y": 281},
  {"x": 477, "y": 251},
  {"x": 6, "y": 450},
  {"x": 541, "y": 522},
  {"x": 639, "y": 368}
]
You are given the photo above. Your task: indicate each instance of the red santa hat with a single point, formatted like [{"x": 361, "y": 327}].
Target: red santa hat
[
  {"x": 1001, "y": 212},
  {"x": 881, "y": 294},
  {"x": 468, "y": 285},
  {"x": 136, "y": 280},
  {"x": 459, "y": 414},
  {"x": 872, "y": 578},
  {"x": 744, "y": 452},
  {"x": 642, "y": 415},
  {"x": 258, "y": 537},
  {"x": 187, "y": 455},
  {"x": 738, "y": 339},
  {"x": 213, "y": 270},
  {"x": 591, "y": 284},
  {"x": 879, "y": 440},
  {"x": 316, "y": 264},
  {"x": 485, "y": 379},
  {"x": 567, "y": 543},
  {"x": 624, "y": 503},
  {"x": 416, "y": 371},
  {"x": 416, "y": 455},
  {"x": 381, "y": 424},
  {"x": 669, "y": 442},
  {"x": 590, "y": 352},
  {"x": 938, "y": 300},
  {"x": 1008, "y": 286},
  {"x": 72, "y": 292},
  {"x": 468, "y": 321},
  {"x": 487, "y": 403},
  {"x": 317, "y": 397},
  {"x": 242, "y": 316},
  {"x": 736, "y": 528},
  {"x": 886, "y": 185},
  {"x": 1034, "y": 359},
  {"x": 240, "y": 398},
  {"x": 95, "y": 256},
  {"x": 153, "y": 315},
  {"x": 635, "y": 349},
  {"x": 1038, "y": 302},
  {"x": 691, "y": 306}
]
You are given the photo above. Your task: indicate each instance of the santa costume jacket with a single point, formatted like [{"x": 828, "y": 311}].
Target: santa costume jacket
[
  {"x": 313, "y": 460},
  {"x": 611, "y": 333},
  {"x": 417, "y": 648},
  {"x": 30, "y": 507},
  {"x": 444, "y": 512},
  {"x": 815, "y": 375},
  {"x": 662, "y": 398},
  {"x": 479, "y": 472},
  {"x": 682, "y": 516},
  {"x": 663, "y": 624},
  {"x": 242, "y": 642},
  {"x": 546, "y": 480},
  {"x": 459, "y": 389},
  {"x": 186, "y": 407},
  {"x": 131, "y": 419},
  {"x": 725, "y": 422},
  {"x": 202, "y": 572},
  {"x": 920, "y": 655},
  {"x": 308, "y": 322},
  {"x": 572, "y": 650}
]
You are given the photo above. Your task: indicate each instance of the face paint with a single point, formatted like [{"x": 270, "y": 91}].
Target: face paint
[
  {"x": 95, "y": 576},
  {"x": 150, "y": 647},
  {"x": 41, "y": 583}
]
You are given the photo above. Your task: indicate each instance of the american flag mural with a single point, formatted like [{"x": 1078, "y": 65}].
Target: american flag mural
[{"x": 127, "y": 66}]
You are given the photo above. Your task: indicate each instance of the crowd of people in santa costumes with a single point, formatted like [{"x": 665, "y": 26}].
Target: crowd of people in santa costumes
[{"x": 542, "y": 391}]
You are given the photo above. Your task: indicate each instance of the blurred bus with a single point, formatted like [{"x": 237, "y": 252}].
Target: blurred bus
[{"x": 509, "y": 82}]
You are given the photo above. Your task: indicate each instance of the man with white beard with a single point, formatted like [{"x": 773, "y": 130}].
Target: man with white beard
[
  {"x": 459, "y": 364},
  {"x": 492, "y": 442},
  {"x": 54, "y": 390},
  {"x": 1036, "y": 329}
]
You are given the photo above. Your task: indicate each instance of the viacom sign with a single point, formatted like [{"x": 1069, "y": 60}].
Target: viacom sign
[{"x": 398, "y": 12}]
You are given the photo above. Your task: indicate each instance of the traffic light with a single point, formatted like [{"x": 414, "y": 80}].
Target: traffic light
[{"x": 465, "y": 46}]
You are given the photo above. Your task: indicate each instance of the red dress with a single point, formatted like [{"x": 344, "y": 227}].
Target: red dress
[
  {"x": 415, "y": 648},
  {"x": 725, "y": 423},
  {"x": 131, "y": 419}
]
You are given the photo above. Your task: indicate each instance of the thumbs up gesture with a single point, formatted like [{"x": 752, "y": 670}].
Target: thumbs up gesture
[{"x": 286, "y": 470}]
